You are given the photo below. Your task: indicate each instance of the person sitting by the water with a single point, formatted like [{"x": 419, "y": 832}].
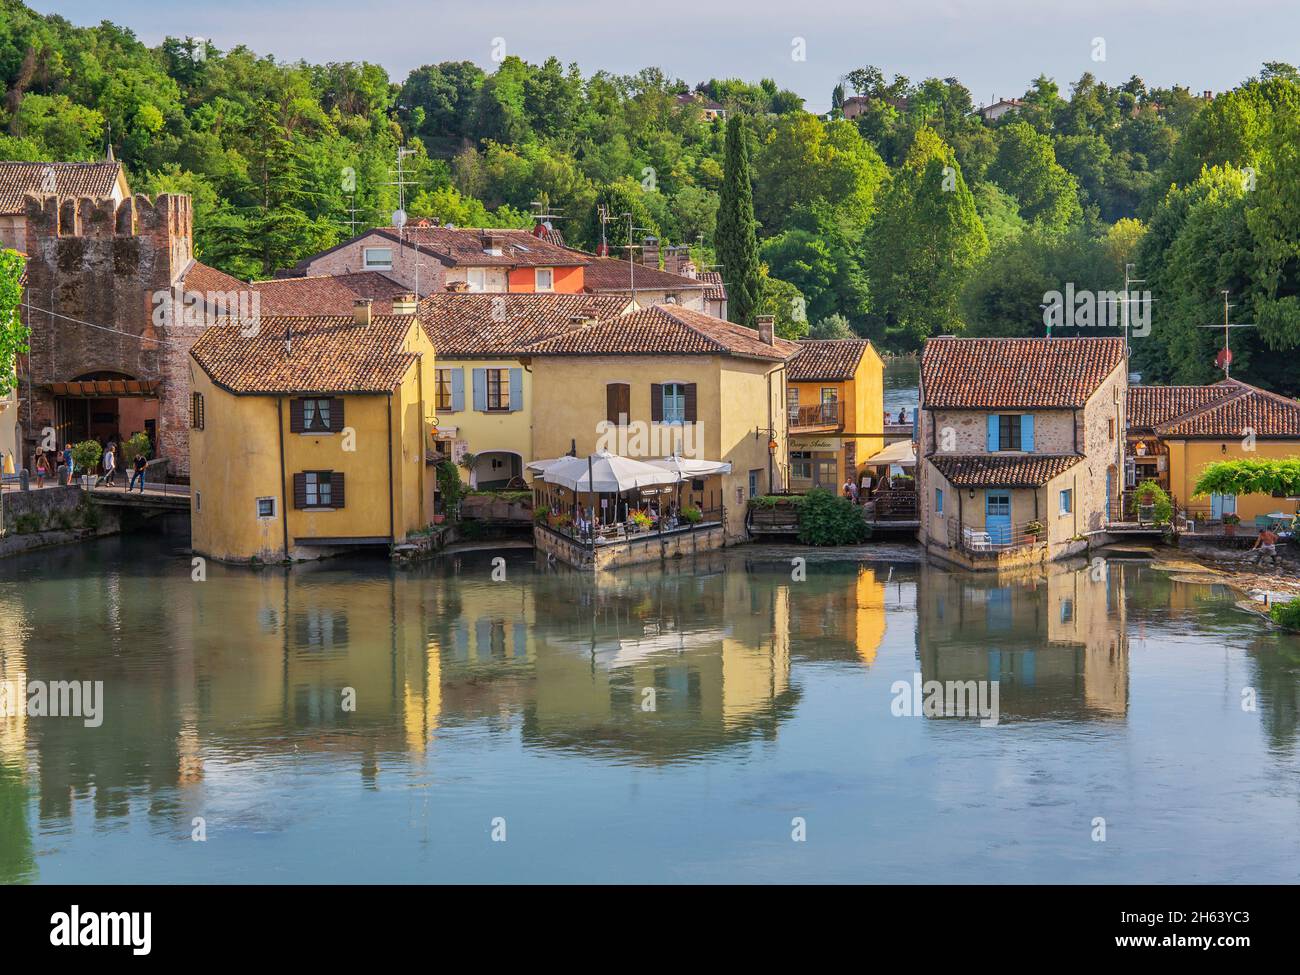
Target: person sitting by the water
[
  {"x": 1266, "y": 544},
  {"x": 902, "y": 415}
]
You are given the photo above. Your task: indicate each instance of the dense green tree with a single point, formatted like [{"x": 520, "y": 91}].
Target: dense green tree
[
  {"x": 1026, "y": 167},
  {"x": 924, "y": 240},
  {"x": 737, "y": 242}
]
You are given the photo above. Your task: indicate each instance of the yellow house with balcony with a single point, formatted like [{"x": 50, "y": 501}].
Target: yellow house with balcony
[
  {"x": 483, "y": 394},
  {"x": 835, "y": 401},
  {"x": 310, "y": 436}
]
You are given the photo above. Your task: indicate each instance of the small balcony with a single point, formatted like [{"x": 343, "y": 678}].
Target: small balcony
[{"x": 820, "y": 417}]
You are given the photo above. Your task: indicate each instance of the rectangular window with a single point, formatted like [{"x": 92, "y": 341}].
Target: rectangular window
[
  {"x": 1110, "y": 429},
  {"x": 476, "y": 278},
  {"x": 196, "y": 411},
  {"x": 754, "y": 476},
  {"x": 320, "y": 489},
  {"x": 792, "y": 403},
  {"x": 266, "y": 507},
  {"x": 498, "y": 389},
  {"x": 443, "y": 390},
  {"x": 377, "y": 258},
  {"x": 999, "y": 506},
  {"x": 938, "y": 501},
  {"x": 1067, "y": 502},
  {"x": 1009, "y": 431},
  {"x": 674, "y": 403},
  {"x": 801, "y": 465},
  {"x": 545, "y": 279},
  {"x": 317, "y": 415},
  {"x": 1067, "y": 610}
]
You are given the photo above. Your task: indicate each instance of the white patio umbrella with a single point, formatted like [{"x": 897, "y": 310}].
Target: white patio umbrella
[
  {"x": 605, "y": 473},
  {"x": 902, "y": 453},
  {"x": 690, "y": 466}
]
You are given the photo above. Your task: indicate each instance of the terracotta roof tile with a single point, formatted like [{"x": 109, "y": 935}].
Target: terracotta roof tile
[
  {"x": 1002, "y": 470},
  {"x": 665, "y": 330},
  {"x": 328, "y": 354},
  {"x": 980, "y": 374},
  {"x": 468, "y": 325},
  {"x": 827, "y": 359},
  {"x": 1149, "y": 406},
  {"x": 323, "y": 294},
  {"x": 609, "y": 274},
  {"x": 204, "y": 278},
  {"x": 717, "y": 290},
  {"x": 1268, "y": 415},
  {"x": 17, "y": 179}
]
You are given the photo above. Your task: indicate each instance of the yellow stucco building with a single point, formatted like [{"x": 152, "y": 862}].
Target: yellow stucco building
[
  {"x": 1175, "y": 432},
  {"x": 311, "y": 436},
  {"x": 482, "y": 394},
  {"x": 668, "y": 379},
  {"x": 835, "y": 401}
]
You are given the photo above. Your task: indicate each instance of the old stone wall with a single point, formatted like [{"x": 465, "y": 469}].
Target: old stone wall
[{"x": 94, "y": 269}]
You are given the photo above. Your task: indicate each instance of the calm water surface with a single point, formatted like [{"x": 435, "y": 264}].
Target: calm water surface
[{"x": 1121, "y": 698}]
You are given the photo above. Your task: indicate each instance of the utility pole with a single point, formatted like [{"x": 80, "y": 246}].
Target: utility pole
[{"x": 1124, "y": 315}]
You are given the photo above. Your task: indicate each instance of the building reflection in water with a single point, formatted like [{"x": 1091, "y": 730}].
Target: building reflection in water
[{"x": 1055, "y": 639}]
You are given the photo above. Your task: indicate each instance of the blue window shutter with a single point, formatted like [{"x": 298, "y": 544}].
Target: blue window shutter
[
  {"x": 1027, "y": 433},
  {"x": 993, "y": 432},
  {"x": 480, "y": 390},
  {"x": 457, "y": 389},
  {"x": 516, "y": 390}
]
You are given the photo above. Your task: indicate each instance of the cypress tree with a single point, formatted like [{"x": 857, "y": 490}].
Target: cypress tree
[{"x": 736, "y": 240}]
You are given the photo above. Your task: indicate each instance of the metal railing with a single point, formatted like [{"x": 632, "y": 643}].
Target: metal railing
[
  {"x": 817, "y": 415},
  {"x": 630, "y": 530},
  {"x": 993, "y": 539}
]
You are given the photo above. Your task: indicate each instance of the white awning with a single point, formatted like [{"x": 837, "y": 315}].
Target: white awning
[
  {"x": 902, "y": 453},
  {"x": 691, "y": 467},
  {"x": 605, "y": 473}
]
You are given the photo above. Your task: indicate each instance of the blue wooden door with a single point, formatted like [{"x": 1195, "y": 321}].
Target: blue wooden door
[
  {"x": 1222, "y": 504},
  {"x": 997, "y": 516}
]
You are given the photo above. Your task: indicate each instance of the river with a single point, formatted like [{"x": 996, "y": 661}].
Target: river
[{"x": 729, "y": 719}]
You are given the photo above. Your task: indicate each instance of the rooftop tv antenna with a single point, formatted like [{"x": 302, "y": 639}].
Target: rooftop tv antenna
[{"x": 1224, "y": 359}]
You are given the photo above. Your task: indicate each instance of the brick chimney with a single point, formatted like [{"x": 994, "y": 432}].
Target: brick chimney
[
  {"x": 491, "y": 242},
  {"x": 361, "y": 312},
  {"x": 676, "y": 259},
  {"x": 650, "y": 252},
  {"x": 766, "y": 329},
  {"x": 405, "y": 304}
]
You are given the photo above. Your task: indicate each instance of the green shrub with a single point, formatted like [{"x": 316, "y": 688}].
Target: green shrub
[
  {"x": 450, "y": 488},
  {"x": 692, "y": 516},
  {"x": 133, "y": 447},
  {"x": 827, "y": 519},
  {"x": 86, "y": 455},
  {"x": 27, "y": 524},
  {"x": 1286, "y": 614},
  {"x": 1149, "y": 492}
]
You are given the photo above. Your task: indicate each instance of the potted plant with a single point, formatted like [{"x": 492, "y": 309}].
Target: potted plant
[
  {"x": 85, "y": 457},
  {"x": 1152, "y": 503},
  {"x": 1032, "y": 531},
  {"x": 642, "y": 520},
  {"x": 1230, "y": 523},
  {"x": 692, "y": 515}
]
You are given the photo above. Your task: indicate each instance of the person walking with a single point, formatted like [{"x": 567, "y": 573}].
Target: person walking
[
  {"x": 67, "y": 462},
  {"x": 110, "y": 464},
  {"x": 138, "y": 472},
  {"x": 42, "y": 469}
]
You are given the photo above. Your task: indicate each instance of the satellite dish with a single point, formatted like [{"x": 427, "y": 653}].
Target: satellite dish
[{"x": 399, "y": 219}]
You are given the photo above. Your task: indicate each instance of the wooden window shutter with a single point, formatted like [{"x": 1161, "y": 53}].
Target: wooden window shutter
[
  {"x": 300, "y": 490},
  {"x": 690, "y": 403},
  {"x": 336, "y": 415},
  {"x": 295, "y": 416},
  {"x": 617, "y": 398},
  {"x": 336, "y": 489},
  {"x": 656, "y": 403}
]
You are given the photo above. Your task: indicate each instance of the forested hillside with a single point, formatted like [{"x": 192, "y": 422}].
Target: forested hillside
[{"x": 915, "y": 218}]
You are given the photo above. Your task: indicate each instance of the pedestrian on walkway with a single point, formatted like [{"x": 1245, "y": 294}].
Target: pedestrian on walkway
[
  {"x": 110, "y": 464},
  {"x": 138, "y": 472},
  {"x": 67, "y": 462},
  {"x": 42, "y": 469}
]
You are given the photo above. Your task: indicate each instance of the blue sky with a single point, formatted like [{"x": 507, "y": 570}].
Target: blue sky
[{"x": 994, "y": 47}]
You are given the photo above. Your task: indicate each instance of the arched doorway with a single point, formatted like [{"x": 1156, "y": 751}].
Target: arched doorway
[
  {"x": 106, "y": 407},
  {"x": 495, "y": 469}
]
